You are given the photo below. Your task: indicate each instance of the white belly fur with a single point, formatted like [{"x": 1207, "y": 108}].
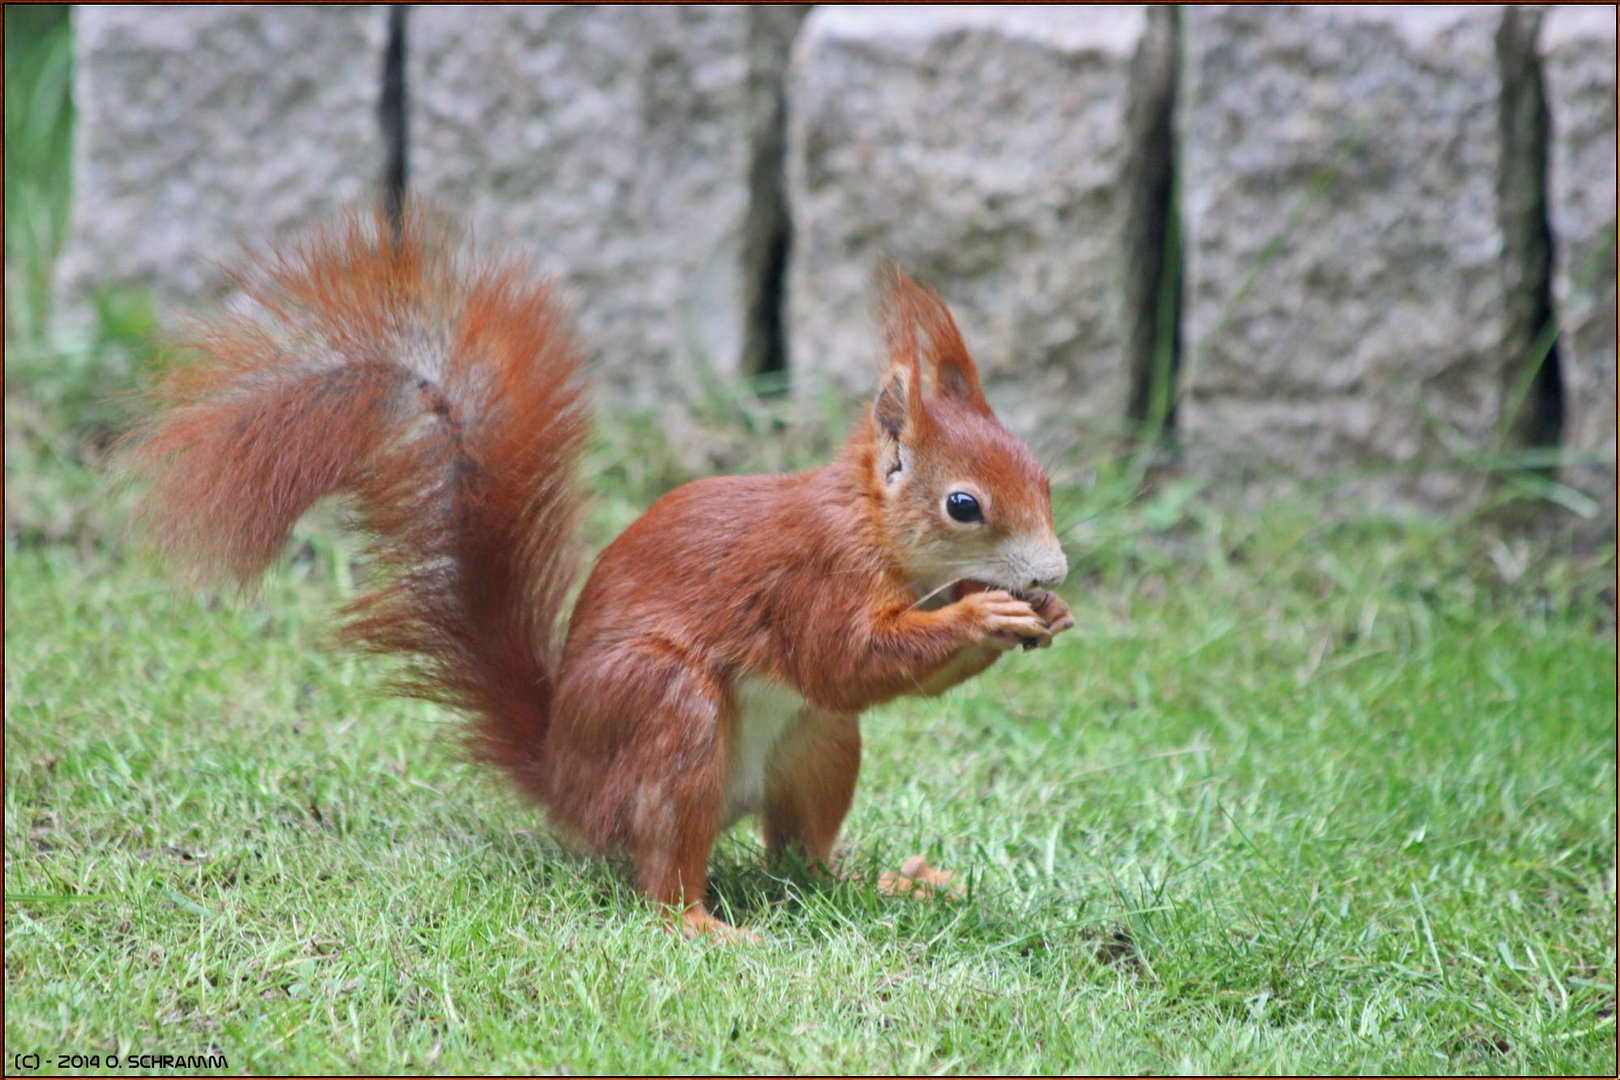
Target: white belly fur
[{"x": 764, "y": 711}]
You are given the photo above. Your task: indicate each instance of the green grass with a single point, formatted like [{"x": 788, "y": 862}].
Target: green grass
[
  {"x": 1293, "y": 796},
  {"x": 38, "y": 128}
]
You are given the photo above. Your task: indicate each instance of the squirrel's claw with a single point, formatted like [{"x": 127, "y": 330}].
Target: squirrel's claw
[{"x": 1053, "y": 611}]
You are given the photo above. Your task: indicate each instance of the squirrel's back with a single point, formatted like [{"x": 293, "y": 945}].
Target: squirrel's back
[{"x": 726, "y": 563}]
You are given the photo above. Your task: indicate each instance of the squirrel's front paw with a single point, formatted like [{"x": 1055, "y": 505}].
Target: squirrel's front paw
[
  {"x": 1003, "y": 621},
  {"x": 1051, "y": 608}
]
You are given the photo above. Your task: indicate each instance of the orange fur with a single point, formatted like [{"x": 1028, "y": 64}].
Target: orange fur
[
  {"x": 445, "y": 398},
  {"x": 723, "y": 647}
]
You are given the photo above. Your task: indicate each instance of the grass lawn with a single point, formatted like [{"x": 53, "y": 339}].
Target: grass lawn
[{"x": 1292, "y": 797}]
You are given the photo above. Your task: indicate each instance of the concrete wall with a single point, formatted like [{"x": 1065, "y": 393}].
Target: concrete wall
[{"x": 1339, "y": 232}]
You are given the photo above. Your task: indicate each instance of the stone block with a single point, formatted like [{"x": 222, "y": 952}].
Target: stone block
[
  {"x": 1016, "y": 159},
  {"x": 634, "y": 152},
  {"x": 203, "y": 129},
  {"x": 1578, "y": 68},
  {"x": 1361, "y": 245}
]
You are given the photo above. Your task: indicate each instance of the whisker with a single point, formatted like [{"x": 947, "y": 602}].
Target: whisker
[{"x": 933, "y": 594}]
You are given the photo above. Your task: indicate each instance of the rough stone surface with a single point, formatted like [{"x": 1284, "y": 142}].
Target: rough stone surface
[
  {"x": 201, "y": 129},
  {"x": 1014, "y": 158},
  {"x": 1360, "y": 245},
  {"x": 1578, "y": 65},
  {"x": 633, "y": 151}
]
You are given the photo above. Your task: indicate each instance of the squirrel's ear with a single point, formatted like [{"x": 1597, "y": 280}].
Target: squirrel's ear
[
  {"x": 917, "y": 320},
  {"x": 955, "y": 374},
  {"x": 898, "y": 410},
  {"x": 898, "y": 415}
]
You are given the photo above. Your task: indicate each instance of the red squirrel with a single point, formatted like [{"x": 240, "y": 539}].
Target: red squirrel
[{"x": 722, "y": 650}]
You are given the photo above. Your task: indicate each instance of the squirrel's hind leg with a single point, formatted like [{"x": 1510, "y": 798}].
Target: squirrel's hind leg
[
  {"x": 808, "y": 790},
  {"x": 672, "y": 763},
  {"x": 809, "y": 785}
]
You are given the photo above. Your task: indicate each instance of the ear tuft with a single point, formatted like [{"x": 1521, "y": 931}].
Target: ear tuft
[
  {"x": 917, "y": 325},
  {"x": 897, "y": 312}
]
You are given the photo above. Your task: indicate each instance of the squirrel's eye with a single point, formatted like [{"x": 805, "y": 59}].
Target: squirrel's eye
[{"x": 963, "y": 507}]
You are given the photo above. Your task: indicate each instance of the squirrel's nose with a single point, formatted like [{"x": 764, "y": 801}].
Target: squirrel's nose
[
  {"x": 1049, "y": 581},
  {"x": 1051, "y": 575}
]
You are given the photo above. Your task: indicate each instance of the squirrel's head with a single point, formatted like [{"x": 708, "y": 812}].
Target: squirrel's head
[{"x": 961, "y": 497}]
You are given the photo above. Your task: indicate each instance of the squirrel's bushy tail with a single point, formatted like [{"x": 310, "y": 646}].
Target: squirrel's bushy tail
[{"x": 444, "y": 394}]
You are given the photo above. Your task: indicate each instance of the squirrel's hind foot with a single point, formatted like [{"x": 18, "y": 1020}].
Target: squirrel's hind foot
[
  {"x": 698, "y": 923},
  {"x": 920, "y": 881}
]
